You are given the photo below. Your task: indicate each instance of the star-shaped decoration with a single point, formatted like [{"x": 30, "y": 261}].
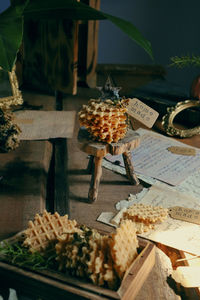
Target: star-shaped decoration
[{"x": 108, "y": 91}]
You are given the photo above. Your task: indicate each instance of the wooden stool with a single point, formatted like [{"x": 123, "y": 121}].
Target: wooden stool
[{"x": 97, "y": 150}]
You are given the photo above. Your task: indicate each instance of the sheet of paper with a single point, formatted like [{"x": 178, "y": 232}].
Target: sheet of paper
[
  {"x": 174, "y": 233},
  {"x": 177, "y": 234},
  {"x": 153, "y": 159},
  {"x": 39, "y": 125},
  {"x": 190, "y": 186}
]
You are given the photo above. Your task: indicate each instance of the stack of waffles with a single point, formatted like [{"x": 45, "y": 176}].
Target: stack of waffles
[
  {"x": 106, "y": 121},
  {"x": 82, "y": 251}
]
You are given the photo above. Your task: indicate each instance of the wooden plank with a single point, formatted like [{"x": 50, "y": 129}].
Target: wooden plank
[
  {"x": 60, "y": 159},
  {"x": 138, "y": 273},
  {"x": 25, "y": 174},
  {"x": 100, "y": 149},
  {"x": 88, "y": 47},
  {"x": 63, "y": 285},
  {"x": 127, "y": 76},
  {"x": 60, "y": 177},
  {"x": 48, "y": 59},
  {"x": 23, "y": 187}
]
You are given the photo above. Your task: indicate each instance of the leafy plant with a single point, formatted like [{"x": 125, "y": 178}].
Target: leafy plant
[
  {"x": 18, "y": 255},
  {"x": 12, "y": 20},
  {"x": 185, "y": 61}
]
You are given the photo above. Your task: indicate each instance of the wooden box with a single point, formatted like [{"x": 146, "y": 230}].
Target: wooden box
[{"x": 54, "y": 285}]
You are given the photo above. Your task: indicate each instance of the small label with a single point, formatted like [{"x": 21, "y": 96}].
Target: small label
[
  {"x": 182, "y": 150},
  {"x": 185, "y": 214},
  {"x": 23, "y": 121},
  {"x": 142, "y": 112}
]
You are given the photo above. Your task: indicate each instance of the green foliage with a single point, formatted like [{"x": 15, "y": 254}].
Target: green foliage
[
  {"x": 185, "y": 61},
  {"x": 18, "y": 255},
  {"x": 11, "y": 29},
  {"x": 11, "y": 23}
]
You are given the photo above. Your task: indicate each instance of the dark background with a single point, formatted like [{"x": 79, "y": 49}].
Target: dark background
[{"x": 171, "y": 26}]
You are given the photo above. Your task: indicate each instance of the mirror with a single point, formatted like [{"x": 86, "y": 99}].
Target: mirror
[
  {"x": 9, "y": 89},
  {"x": 172, "y": 112}
]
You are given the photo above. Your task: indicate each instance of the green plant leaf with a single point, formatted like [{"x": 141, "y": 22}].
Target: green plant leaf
[
  {"x": 69, "y": 9},
  {"x": 11, "y": 31},
  {"x": 80, "y": 11},
  {"x": 11, "y": 23}
]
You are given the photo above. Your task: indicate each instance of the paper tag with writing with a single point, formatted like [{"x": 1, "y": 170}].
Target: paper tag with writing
[
  {"x": 185, "y": 214},
  {"x": 23, "y": 121},
  {"x": 182, "y": 150},
  {"x": 142, "y": 112}
]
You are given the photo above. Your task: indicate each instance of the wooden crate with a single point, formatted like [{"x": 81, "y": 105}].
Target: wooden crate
[{"x": 54, "y": 285}]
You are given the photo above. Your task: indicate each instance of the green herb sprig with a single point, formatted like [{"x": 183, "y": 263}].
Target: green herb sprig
[
  {"x": 185, "y": 61},
  {"x": 18, "y": 255}
]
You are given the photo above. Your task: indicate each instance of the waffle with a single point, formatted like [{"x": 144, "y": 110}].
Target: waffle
[
  {"x": 82, "y": 251},
  {"x": 45, "y": 230},
  {"x": 146, "y": 214},
  {"x": 105, "y": 121},
  {"x": 86, "y": 254},
  {"x": 123, "y": 246}
]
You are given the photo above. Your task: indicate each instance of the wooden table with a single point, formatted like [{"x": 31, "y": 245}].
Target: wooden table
[
  {"x": 114, "y": 187},
  {"x": 34, "y": 176}
]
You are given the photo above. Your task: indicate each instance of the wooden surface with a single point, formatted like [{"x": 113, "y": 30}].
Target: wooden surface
[
  {"x": 25, "y": 173},
  {"x": 129, "y": 142},
  {"x": 52, "y": 284},
  {"x": 128, "y": 77},
  {"x": 113, "y": 188},
  {"x": 88, "y": 47},
  {"x": 99, "y": 149},
  {"x": 23, "y": 187},
  {"x": 34, "y": 176}
]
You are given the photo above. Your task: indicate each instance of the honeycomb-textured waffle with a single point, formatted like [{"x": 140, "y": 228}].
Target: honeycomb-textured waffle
[
  {"x": 105, "y": 121},
  {"x": 123, "y": 246},
  {"x": 46, "y": 229},
  {"x": 85, "y": 254},
  {"x": 146, "y": 214}
]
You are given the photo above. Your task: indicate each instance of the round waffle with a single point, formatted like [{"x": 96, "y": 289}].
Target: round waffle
[{"x": 106, "y": 121}]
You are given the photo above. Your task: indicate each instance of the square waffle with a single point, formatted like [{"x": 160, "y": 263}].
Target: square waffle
[{"x": 45, "y": 230}]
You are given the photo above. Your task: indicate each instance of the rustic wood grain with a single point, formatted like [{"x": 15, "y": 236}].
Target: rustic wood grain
[
  {"x": 25, "y": 173},
  {"x": 113, "y": 188},
  {"x": 129, "y": 168},
  {"x": 95, "y": 179},
  {"x": 98, "y": 150},
  {"x": 66, "y": 286}
]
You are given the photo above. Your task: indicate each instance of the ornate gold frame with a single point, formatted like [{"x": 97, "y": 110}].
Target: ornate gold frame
[
  {"x": 167, "y": 120},
  {"x": 16, "y": 98}
]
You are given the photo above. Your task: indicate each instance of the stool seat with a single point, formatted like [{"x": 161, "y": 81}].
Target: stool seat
[{"x": 97, "y": 150}]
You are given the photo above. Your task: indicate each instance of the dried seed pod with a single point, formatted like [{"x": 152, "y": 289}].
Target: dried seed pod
[{"x": 9, "y": 132}]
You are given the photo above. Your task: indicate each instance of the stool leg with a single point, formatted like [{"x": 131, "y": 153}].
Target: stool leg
[
  {"x": 129, "y": 168},
  {"x": 95, "y": 179},
  {"x": 90, "y": 164}
]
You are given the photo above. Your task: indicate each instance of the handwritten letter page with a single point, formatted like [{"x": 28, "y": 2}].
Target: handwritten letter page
[{"x": 153, "y": 159}]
